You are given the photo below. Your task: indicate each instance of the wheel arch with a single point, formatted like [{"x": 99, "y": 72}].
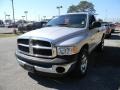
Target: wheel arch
[
  {"x": 103, "y": 36},
  {"x": 85, "y": 46}
]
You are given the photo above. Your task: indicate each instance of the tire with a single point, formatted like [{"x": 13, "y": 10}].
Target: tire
[
  {"x": 100, "y": 47},
  {"x": 113, "y": 30},
  {"x": 82, "y": 64},
  {"x": 110, "y": 35}
]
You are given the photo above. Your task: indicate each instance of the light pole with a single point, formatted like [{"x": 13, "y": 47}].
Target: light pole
[
  {"x": 38, "y": 17},
  {"x": 26, "y": 12},
  {"x": 59, "y": 7},
  {"x": 8, "y": 16},
  {"x": 5, "y": 17},
  {"x": 22, "y": 17},
  {"x": 13, "y": 12},
  {"x": 44, "y": 17}
]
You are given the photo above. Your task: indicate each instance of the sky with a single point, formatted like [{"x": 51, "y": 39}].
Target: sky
[{"x": 106, "y": 9}]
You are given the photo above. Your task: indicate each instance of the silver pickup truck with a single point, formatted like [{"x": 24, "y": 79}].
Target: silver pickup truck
[{"x": 62, "y": 46}]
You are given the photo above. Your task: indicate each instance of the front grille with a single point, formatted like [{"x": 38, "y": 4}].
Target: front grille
[
  {"x": 35, "y": 47},
  {"x": 24, "y": 49},
  {"x": 42, "y": 52},
  {"x": 41, "y": 43},
  {"x": 23, "y": 41}
]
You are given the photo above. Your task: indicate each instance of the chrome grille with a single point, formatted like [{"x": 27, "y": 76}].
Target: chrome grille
[
  {"x": 23, "y": 41},
  {"x": 42, "y": 51},
  {"x": 34, "y": 47},
  {"x": 41, "y": 43},
  {"x": 23, "y": 48}
]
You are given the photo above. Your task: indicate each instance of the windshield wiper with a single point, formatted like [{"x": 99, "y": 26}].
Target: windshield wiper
[
  {"x": 66, "y": 25},
  {"x": 48, "y": 25},
  {"x": 63, "y": 24},
  {"x": 57, "y": 25}
]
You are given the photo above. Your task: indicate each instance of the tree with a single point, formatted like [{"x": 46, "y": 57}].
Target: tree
[
  {"x": 72, "y": 8},
  {"x": 82, "y": 6},
  {"x": 100, "y": 20}
]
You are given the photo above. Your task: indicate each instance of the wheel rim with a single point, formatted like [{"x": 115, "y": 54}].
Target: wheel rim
[
  {"x": 84, "y": 63},
  {"x": 102, "y": 44}
]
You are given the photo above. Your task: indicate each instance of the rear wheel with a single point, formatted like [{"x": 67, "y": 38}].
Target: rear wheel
[
  {"x": 113, "y": 30},
  {"x": 100, "y": 47},
  {"x": 109, "y": 35}
]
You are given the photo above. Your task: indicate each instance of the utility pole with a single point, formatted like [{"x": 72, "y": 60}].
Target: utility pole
[{"x": 59, "y": 7}]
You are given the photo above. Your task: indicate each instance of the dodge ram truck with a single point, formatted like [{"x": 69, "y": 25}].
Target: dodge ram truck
[{"x": 62, "y": 46}]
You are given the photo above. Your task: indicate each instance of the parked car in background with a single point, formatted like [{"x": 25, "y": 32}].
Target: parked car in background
[
  {"x": 108, "y": 29},
  {"x": 1, "y": 23},
  {"x": 12, "y": 25},
  {"x": 38, "y": 25},
  {"x": 22, "y": 27},
  {"x": 112, "y": 26},
  {"x": 31, "y": 26},
  {"x": 117, "y": 24}
]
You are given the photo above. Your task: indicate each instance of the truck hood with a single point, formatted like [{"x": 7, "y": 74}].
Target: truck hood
[{"x": 54, "y": 33}]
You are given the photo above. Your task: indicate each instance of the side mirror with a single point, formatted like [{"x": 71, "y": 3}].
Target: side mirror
[
  {"x": 96, "y": 24},
  {"x": 106, "y": 25}
]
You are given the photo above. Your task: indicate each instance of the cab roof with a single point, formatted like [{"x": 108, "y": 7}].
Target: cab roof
[{"x": 81, "y": 13}]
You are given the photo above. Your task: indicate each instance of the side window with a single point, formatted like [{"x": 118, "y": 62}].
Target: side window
[{"x": 91, "y": 20}]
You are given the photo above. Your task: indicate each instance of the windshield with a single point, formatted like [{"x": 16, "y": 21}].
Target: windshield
[{"x": 74, "y": 20}]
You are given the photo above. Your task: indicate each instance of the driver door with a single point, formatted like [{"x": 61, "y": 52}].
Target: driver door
[{"x": 93, "y": 33}]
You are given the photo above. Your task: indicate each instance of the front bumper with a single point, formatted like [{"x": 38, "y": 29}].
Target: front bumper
[
  {"x": 51, "y": 70},
  {"x": 41, "y": 66}
]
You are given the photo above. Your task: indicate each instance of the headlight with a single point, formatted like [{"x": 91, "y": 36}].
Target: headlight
[{"x": 67, "y": 50}]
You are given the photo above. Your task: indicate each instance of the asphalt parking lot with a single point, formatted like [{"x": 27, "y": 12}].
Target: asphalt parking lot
[{"x": 103, "y": 75}]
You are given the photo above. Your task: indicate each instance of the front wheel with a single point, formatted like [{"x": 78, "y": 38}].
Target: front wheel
[{"x": 82, "y": 64}]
